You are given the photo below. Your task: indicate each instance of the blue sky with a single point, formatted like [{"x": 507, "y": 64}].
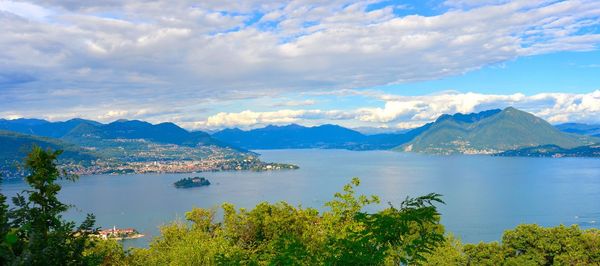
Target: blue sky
[
  {"x": 215, "y": 64},
  {"x": 575, "y": 72}
]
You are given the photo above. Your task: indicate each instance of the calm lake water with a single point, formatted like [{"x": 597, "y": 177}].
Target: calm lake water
[{"x": 484, "y": 195}]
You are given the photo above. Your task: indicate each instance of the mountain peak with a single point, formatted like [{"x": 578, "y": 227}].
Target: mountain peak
[
  {"x": 490, "y": 131},
  {"x": 29, "y": 121},
  {"x": 129, "y": 123},
  {"x": 469, "y": 118}
]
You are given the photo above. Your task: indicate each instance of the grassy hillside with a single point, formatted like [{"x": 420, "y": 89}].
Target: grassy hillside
[{"x": 496, "y": 132}]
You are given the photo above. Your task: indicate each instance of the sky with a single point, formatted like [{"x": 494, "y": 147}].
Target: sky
[{"x": 218, "y": 64}]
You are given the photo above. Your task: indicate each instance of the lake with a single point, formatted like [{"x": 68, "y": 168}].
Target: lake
[{"x": 484, "y": 195}]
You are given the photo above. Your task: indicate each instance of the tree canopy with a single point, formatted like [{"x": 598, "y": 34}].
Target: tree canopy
[
  {"x": 281, "y": 234},
  {"x": 33, "y": 231},
  {"x": 527, "y": 244}
]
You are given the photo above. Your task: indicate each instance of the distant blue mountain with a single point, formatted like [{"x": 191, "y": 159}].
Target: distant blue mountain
[
  {"x": 300, "y": 137},
  {"x": 80, "y": 130},
  {"x": 166, "y": 133},
  {"x": 43, "y": 128},
  {"x": 331, "y": 136},
  {"x": 291, "y": 136},
  {"x": 578, "y": 128}
]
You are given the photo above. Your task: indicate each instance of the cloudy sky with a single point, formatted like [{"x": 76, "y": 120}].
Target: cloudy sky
[{"x": 212, "y": 64}]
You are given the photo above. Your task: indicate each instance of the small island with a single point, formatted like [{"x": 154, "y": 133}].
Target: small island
[{"x": 191, "y": 182}]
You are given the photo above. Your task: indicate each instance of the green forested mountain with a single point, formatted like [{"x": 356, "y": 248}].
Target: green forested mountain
[
  {"x": 124, "y": 146},
  {"x": 490, "y": 132},
  {"x": 137, "y": 141},
  {"x": 15, "y": 147},
  {"x": 165, "y": 133},
  {"x": 124, "y": 140},
  {"x": 80, "y": 130}
]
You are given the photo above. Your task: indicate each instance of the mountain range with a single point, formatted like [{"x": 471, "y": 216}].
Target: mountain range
[
  {"x": 488, "y": 132},
  {"x": 121, "y": 146},
  {"x": 81, "y": 130},
  {"x": 41, "y": 127},
  {"x": 323, "y": 137},
  {"x": 300, "y": 137}
]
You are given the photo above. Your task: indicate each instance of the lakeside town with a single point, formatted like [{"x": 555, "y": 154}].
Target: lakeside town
[
  {"x": 210, "y": 164},
  {"x": 118, "y": 233}
]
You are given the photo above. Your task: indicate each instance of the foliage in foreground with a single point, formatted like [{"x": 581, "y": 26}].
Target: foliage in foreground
[
  {"x": 281, "y": 234},
  {"x": 33, "y": 231},
  {"x": 527, "y": 244}
]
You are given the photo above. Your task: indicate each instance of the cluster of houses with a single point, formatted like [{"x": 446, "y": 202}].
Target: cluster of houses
[{"x": 118, "y": 233}]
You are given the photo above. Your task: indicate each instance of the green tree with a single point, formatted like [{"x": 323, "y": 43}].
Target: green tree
[
  {"x": 449, "y": 253},
  {"x": 281, "y": 234},
  {"x": 6, "y": 238},
  {"x": 527, "y": 244},
  {"x": 38, "y": 234},
  {"x": 559, "y": 245},
  {"x": 485, "y": 254}
]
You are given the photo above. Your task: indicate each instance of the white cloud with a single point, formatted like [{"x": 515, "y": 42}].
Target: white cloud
[
  {"x": 412, "y": 111},
  {"x": 204, "y": 47},
  {"x": 26, "y": 10},
  {"x": 295, "y": 103},
  {"x": 250, "y": 118},
  {"x": 62, "y": 59}
]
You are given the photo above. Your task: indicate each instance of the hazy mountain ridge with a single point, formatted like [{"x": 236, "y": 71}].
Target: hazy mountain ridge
[
  {"x": 43, "y": 128},
  {"x": 492, "y": 132},
  {"x": 554, "y": 151},
  {"x": 301, "y": 137},
  {"x": 76, "y": 129},
  {"x": 579, "y": 128}
]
